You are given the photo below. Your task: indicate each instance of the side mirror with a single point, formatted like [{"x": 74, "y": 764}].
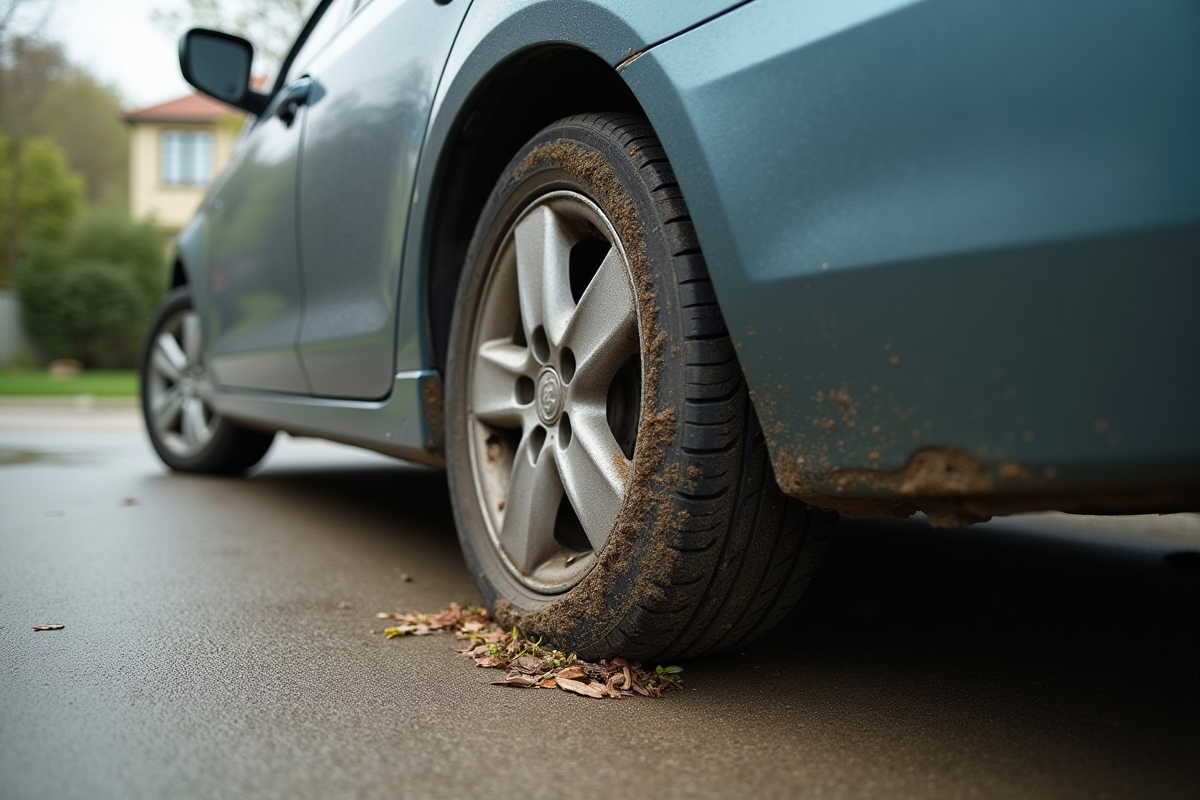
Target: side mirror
[{"x": 218, "y": 64}]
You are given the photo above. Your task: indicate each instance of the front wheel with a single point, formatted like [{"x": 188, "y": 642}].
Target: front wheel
[
  {"x": 177, "y": 398},
  {"x": 609, "y": 478}
]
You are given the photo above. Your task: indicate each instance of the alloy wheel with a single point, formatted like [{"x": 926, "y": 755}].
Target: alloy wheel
[
  {"x": 555, "y": 391},
  {"x": 180, "y": 391}
]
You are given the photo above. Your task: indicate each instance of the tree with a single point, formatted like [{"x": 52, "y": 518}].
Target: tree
[
  {"x": 40, "y": 199},
  {"x": 85, "y": 118},
  {"x": 270, "y": 24},
  {"x": 50, "y": 194},
  {"x": 86, "y": 286},
  {"x": 16, "y": 90},
  {"x": 26, "y": 68},
  {"x": 44, "y": 97},
  {"x": 14, "y": 23}
]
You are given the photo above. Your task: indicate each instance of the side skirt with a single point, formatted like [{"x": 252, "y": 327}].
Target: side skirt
[{"x": 406, "y": 424}]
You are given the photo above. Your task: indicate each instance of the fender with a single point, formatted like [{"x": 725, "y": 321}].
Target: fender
[{"x": 491, "y": 34}]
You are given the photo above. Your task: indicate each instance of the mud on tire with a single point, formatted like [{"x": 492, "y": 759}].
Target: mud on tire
[{"x": 652, "y": 533}]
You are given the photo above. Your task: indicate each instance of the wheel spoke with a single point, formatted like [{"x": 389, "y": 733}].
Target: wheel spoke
[
  {"x": 534, "y": 493},
  {"x": 191, "y": 338},
  {"x": 168, "y": 359},
  {"x": 166, "y": 407},
  {"x": 592, "y": 474},
  {"x": 195, "y": 429},
  {"x": 543, "y": 273},
  {"x": 494, "y": 395},
  {"x": 603, "y": 330}
]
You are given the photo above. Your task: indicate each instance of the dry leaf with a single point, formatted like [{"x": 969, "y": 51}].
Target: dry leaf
[
  {"x": 528, "y": 664},
  {"x": 399, "y": 630},
  {"x": 579, "y": 688},
  {"x": 517, "y": 680},
  {"x": 571, "y": 673},
  {"x": 51, "y": 627}
]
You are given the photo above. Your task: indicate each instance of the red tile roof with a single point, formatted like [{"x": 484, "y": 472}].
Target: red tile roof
[{"x": 192, "y": 108}]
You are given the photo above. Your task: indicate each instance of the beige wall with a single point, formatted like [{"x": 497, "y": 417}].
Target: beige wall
[{"x": 170, "y": 206}]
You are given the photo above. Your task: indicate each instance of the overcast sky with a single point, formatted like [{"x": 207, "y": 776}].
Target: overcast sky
[{"x": 116, "y": 41}]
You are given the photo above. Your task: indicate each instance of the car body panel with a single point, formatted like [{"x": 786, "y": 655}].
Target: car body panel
[
  {"x": 249, "y": 281},
  {"x": 956, "y": 243},
  {"x": 491, "y": 34},
  {"x": 363, "y": 134},
  {"x": 969, "y": 230},
  {"x": 407, "y": 424}
]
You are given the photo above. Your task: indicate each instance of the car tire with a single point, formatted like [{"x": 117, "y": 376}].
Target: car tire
[
  {"x": 609, "y": 478},
  {"x": 177, "y": 391}
]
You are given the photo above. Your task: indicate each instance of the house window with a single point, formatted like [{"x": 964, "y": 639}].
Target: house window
[{"x": 187, "y": 158}]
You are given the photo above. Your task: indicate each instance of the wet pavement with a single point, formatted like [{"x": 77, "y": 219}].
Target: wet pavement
[{"x": 220, "y": 641}]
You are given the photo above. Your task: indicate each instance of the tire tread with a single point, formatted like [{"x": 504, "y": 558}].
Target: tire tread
[{"x": 767, "y": 544}]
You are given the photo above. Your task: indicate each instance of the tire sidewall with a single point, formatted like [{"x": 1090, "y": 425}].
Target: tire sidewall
[
  {"x": 582, "y": 618},
  {"x": 230, "y": 446}
]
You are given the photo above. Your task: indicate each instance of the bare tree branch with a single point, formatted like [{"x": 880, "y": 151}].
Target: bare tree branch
[
  {"x": 10, "y": 17},
  {"x": 269, "y": 24}
]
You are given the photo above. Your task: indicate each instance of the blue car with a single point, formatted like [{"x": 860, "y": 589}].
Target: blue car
[{"x": 665, "y": 286}]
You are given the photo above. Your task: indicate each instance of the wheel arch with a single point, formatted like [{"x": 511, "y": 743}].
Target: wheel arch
[
  {"x": 179, "y": 276},
  {"x": 518, "y": 97}
]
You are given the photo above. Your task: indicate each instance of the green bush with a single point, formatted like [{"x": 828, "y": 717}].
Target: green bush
[
  {"x": 108, "y": 234},
  {"x": 89, "y": 296},
  {"x": 91, "y": 310}
]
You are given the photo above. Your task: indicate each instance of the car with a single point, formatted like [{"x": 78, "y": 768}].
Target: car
[{"x": 666, "y": 286}]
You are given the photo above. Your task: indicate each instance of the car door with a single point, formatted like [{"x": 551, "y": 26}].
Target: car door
[
  {"x": 254, "y": 281},
  {"x": 373, "y": 86}
]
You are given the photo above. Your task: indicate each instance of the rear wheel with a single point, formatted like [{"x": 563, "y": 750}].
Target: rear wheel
[
  {"x": 609, "y": 477},
  {"x": 177, "y": 398}
]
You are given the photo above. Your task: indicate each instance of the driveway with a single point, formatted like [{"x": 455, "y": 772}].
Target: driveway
[{"x": 220, "y": 641}]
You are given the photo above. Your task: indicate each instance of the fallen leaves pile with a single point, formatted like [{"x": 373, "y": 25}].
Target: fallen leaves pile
[{"x": 528, "y": 663}]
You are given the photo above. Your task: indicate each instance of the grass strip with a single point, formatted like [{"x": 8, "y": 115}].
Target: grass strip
[{"x": 98, "y": 382}]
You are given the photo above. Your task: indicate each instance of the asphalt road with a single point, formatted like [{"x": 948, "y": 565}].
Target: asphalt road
[{"x": 220, "y": 641}]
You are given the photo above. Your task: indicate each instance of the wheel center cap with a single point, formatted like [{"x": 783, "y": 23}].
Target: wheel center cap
[{"x": 549, "y": 399}]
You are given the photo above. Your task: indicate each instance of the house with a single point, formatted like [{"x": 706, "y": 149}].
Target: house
[{"x": 176, "y": 149}]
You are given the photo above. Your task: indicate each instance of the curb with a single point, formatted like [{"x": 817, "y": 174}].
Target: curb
[{"x": 78, "y": 402}]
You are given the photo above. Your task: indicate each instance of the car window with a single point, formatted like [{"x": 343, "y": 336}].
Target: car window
[{"x": 332, "y": 16}]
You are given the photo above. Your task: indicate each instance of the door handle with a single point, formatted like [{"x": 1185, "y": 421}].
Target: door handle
[{"x": 292, "y": 98}]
